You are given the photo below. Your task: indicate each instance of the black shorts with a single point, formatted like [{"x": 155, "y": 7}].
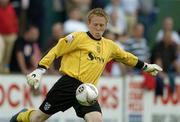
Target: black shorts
[{"x": 62, "y": 96}]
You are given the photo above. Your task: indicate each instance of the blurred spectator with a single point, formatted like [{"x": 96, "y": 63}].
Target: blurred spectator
[
  {"x": 82, "y": 5},
  {"x": 137, "y": 44},
  {"x": 130, "y": 8},
  {"x": 115, "y": 25},
  {"x": 146, "y": 6},
  {"x": 165, "y": 55},
  {"x": 58, "y": 5},
  {"x": 23, "y": 60},
  {"x": 168, "y": 26},
  {"x": 117, "y": 20},
  {"x": 57, "y": 33},
  {"x": 8, "y": 32},
  {"x": 35, "y": 15},
  {"x": 74, "y": 22},
  {"x": 147, "y": 13}
]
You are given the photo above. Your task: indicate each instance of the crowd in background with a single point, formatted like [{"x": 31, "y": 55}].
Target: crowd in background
[{"x": 21, "y": 26}]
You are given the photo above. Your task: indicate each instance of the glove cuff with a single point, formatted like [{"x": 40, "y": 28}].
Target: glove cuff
[
  {"x": 41, "y": 70},
  {"x": 139, "y": 64},
  {"x": 42, "y": 66}
]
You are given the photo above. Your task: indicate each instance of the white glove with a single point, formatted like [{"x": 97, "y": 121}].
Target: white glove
[
  {"x": 33, "y": 79},
  {"x": 152, "y": 69}
]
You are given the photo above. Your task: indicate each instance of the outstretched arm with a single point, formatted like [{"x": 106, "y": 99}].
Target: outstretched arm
[
  {"x": 65, "y": 45},
  {"x": 131, "y": 60},
  {"x": 152, "y": 69}
]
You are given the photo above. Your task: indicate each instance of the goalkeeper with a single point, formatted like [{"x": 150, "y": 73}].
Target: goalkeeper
[{"x": 84, "y": 56}]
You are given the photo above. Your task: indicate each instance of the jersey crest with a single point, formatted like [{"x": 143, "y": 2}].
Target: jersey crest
[{"x": 69, "y": 38}]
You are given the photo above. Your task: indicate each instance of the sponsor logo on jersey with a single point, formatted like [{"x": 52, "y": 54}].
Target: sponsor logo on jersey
[{"x": 92, "y": 56}]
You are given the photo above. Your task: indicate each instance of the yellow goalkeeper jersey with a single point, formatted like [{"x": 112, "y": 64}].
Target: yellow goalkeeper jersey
[{"x": 84, "y": 57}]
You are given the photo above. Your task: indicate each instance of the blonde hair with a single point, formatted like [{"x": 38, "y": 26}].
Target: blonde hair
[{"x": 98, "y": 12}]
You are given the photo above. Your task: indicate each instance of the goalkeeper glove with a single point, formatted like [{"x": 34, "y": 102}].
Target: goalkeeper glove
[
  {"x": 152, "y": 69},
  {"x": 33, "y": 79}
]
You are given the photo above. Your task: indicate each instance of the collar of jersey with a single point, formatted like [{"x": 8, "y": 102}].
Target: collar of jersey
[{"x": 89, "y": 34}]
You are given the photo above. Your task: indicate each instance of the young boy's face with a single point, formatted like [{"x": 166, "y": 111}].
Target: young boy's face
[{"x": 97, "y": 26}]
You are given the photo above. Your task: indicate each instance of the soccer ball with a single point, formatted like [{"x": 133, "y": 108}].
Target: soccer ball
[{"x": 87, "y": 94}]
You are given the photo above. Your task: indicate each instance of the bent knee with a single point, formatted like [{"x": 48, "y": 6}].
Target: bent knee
[
  {"x": 93, "y": 117},
  {"x": 38, "y": 116},
  {"x": 96, "y": 119}
]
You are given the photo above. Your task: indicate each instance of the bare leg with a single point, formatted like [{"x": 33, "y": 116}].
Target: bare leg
[
  {"x": 93, "y": 117},
  {"x": 38, "y": 116}
]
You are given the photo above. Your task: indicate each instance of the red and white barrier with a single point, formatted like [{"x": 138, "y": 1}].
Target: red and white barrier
[
  {"x": 121, "y": 99},
  {"x": 15, "y": 94}
]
